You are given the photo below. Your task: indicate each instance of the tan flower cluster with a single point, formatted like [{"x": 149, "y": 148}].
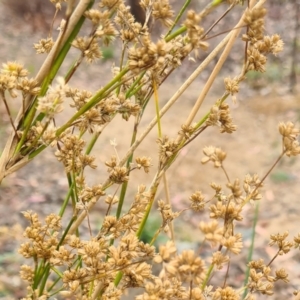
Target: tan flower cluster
[
  {"x": 89, "y": 48},
  {"x": 79, "y": 97},
  {"x": 225, "y": 293},
  {"x": 103, "y": 31},
  {"x": 213, "y": 154},
  {"x": 220, "y": 116},
  {"x": 129, "y": 29},
  {"x": 128, "y": 256},
  {"x": 194, "y": 32},
  {"x": 232, "y": 86},
  {"x": 98, "y": 115},
  {"x": 166, "y": 253},
  {"x": 279, "y": 240},
  {"x": 43, "y": 238},
  {"x": 51, "y": 103},
  {"x": 180, "y": 49},
  {"x": 197, "y": 201},
  {"x": 190, "y": 267},
  {"x": 44, "y": 45},
  {"x": 143, "y": 57},
  {"x": 127, "y": 108},
  {"x": 297, "y": 241},
  {"x": 251, "y": 187},
  {"x": 167, "y": 148},
  {"x": 88, "y": 194},
  {"x": 39, "y": 134},
  {"x": 117, "y": 174},
  {"x": 186, "y": 267},
  {"x": 70, "y": 154},
  {"x": 219, "y": 259},
  {"x": 236, "y": 191},
  {"x": 254, "y": 19},
  {"x": 233, "y": 243},
  {"x": 103, "y": 112},
  {"x": 290, "y": 141},
  {"x": 259, "y": 45},
  {"x": 13, "y": 77},
  {"x": 227, "y": 212},
  {"x": 159, "y": 288},
  {"x": 162, "y": 10},
  {"x": 129, "y": 222},
  {"x": 212, "y": 232},
  {"x": 102, "y": 21},
  {"x": 143, "y": 162},
  {"x": 167, "y": 214},
  {"x": 260, "y": 279}
]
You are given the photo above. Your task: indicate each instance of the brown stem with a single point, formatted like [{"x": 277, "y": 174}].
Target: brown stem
[
  {"x": 8, "y": 111},
  {"x": 267, "y": 174},
  {"x": 273, "y": 259},
  {"x": 217, "y": 21},
  {"x": 226, "y": 276},
  {"x": 222, "y": 167}
]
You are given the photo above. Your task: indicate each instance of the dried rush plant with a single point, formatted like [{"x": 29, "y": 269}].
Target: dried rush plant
[{"x": 108, "y": 263}]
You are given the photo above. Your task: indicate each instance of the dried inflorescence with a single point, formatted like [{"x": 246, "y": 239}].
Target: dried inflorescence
[
  {"x": 44, "y": 45},
  {"x": 43, "y": 238},
  {"x": 13, "y": 77},
  {"x": 115, "y": 259},
  {"x": 290, "y": 142},
  {"x": 259, "y": 45},
  {"x": 220, "y": 116}
]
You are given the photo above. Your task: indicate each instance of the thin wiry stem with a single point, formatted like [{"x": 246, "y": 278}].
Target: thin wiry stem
[
  {"x": 226, "y": 276},
  {"x": 182, "y": 10},
  {"x": 263, "y": 179},
  {"x": 275, "y": 256},
  {"x": 8, "y": 111},
  {"x": 166, "y": 185},
  {"x": 226, "y": 174},
  {"x": 217, "y": 21},
  {"x": 250, "y": 253},
  {"x": 52, "y": 23}
]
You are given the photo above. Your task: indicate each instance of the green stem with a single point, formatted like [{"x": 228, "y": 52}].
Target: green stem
[
  {"x": 44, "y": 279},
  {"x": 93, "y": 101},
  {"x": 184, "y": 7},
  {"x": 66, "y": 201},
  {"x": 92, "y": 143},
  {"x": 37, "y": 274},
  {"x": 250, "y": 254},
  {"x": 125, "y": 184},
  {"x": 146, "y": 215},
  {"x": 29, "y": 119},
  {"x": 173, "y": 35},
  {"x": 59, "y": 274},
  {"x": 211, "y": 268},
  {"x": 121, "y": 64},
  {"x": 128, "y": 93},
  {"x": 56, "y": 292},
  {"x": 66, "y": 231},
  {"x": 58, "y": 279}
]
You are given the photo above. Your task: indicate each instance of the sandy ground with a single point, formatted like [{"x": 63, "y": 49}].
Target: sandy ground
[{"x": 41, "y": 185}]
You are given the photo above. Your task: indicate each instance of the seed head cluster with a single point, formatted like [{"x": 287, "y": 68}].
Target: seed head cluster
[{"x": 113, "y": 258}]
